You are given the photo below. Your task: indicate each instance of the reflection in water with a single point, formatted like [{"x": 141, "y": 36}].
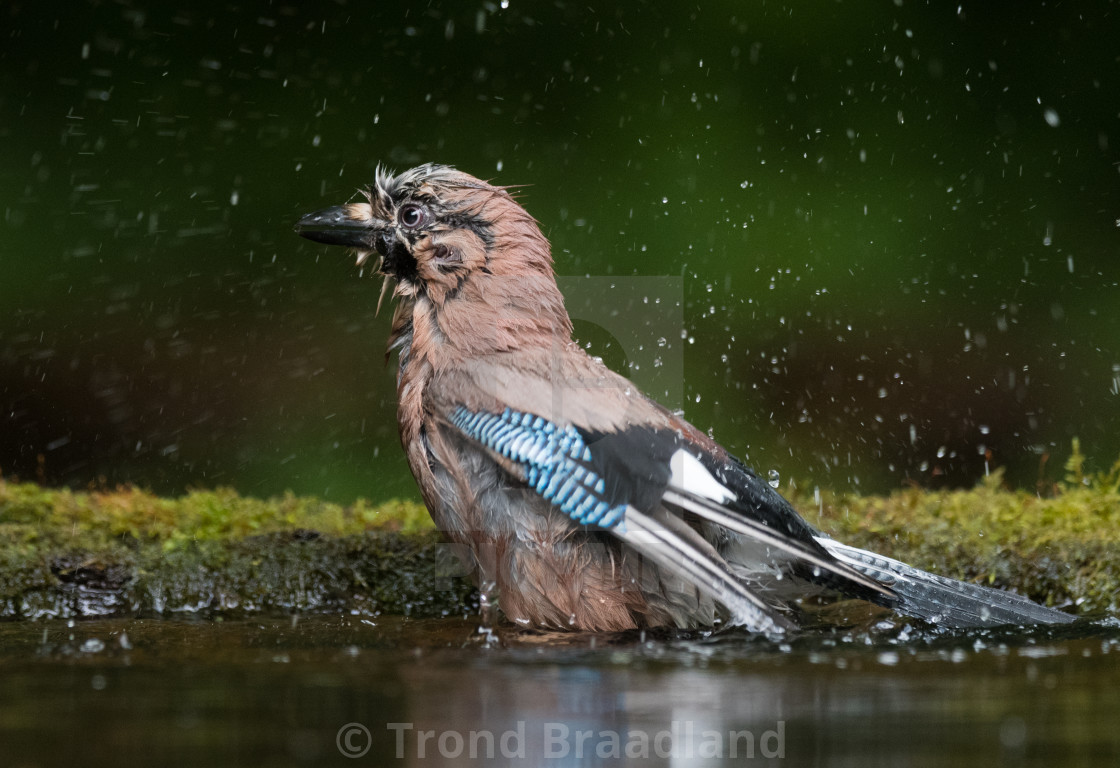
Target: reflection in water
[
  {"x": 342, "y": 691},
  {"x": 569, "y": 715}
]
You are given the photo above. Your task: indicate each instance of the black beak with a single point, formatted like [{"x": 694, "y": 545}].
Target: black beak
[{"x": 333, "y": 226}]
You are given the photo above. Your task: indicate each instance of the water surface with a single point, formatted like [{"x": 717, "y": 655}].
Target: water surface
[{"x": 286, "y": 692}]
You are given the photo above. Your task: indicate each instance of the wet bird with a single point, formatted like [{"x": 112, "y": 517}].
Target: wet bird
[{"x": 580, "y": 502}]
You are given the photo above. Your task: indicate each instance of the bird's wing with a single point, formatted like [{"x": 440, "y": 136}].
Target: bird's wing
[
  {"x": 587, "y": 441},
  {"x": 717, "y": 488},
  {"x": 565, "y": 468}
]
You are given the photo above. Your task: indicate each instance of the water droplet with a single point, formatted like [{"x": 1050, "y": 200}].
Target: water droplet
[{"x": 774, "y": 478}]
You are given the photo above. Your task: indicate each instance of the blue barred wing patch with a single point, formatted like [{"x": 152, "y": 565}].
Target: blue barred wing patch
[{"x": 556, "y": 461}]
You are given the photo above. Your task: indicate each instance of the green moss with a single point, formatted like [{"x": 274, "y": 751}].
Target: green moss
[
  {"x": 100, "y": 518},
  {"x": 65, "y": 553}
]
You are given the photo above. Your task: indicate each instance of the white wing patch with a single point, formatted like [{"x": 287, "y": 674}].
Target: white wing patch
[{"x": 690, "y": 476}]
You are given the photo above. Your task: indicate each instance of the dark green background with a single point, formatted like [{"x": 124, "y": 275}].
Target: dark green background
[{"x": 895, "y": 224}]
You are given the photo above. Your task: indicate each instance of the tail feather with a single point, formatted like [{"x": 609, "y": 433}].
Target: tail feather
[{"x": 941, "y": 600}]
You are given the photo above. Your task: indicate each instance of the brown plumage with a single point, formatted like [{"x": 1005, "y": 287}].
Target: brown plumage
[{"x": 582, "y": 503}]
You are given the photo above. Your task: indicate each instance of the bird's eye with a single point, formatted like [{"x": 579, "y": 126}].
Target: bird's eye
[{"x": 411, "y": 216}]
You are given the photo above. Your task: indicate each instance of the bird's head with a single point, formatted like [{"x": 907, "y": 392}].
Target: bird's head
[{"x": 437, "y": 231}]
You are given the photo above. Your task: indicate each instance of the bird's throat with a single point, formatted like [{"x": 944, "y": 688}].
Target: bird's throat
[{"x": 399, "y": 262}]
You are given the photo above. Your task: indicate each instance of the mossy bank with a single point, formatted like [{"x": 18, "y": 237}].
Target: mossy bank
[{"x": 66, "y": 553}]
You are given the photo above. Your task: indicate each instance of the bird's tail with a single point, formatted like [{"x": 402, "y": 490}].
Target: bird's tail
[{"x": 944, "y": 601}]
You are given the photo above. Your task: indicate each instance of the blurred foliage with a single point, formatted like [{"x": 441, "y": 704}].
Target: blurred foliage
[{"x": 893, "y": 225}]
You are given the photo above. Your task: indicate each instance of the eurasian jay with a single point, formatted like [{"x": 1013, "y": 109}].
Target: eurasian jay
[{"x": 582, "y": 503}]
